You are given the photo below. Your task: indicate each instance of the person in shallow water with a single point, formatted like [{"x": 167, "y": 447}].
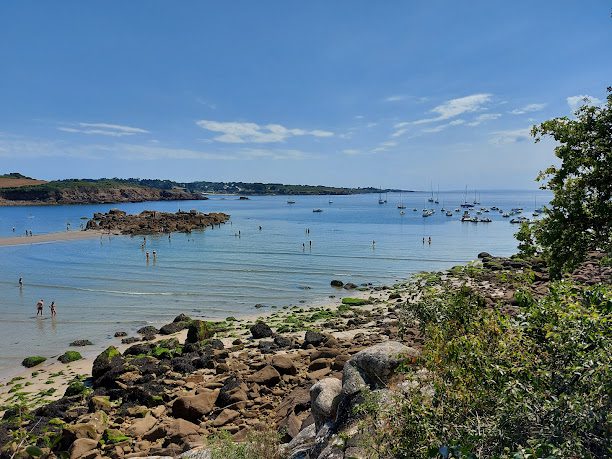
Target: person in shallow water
[
  {"x": 39, "y": 307},
  {"x": 53, "y": 312}
]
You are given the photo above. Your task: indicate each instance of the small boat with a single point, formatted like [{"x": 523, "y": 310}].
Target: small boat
[
  {"x": 519, "y": 220},
  {"x": 437, "y": 201},
  {"x": 449, "y": 214},
  {"x": 467, "y": 218},
  {"x": 428, "y": 213},
  {"x": 330, "y": 202},
  {"x": 290, "y": 201},
  {"x": 485, "y": 220},
  {"x": 402, "y": 212},
  {"x": 401, "y": 203},
  {"x": 317, "y": 210},
  {"x": 506, "y": 215}
]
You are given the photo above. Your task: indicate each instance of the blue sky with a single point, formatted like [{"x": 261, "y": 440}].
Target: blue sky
[{"x": 352, "y": 93}]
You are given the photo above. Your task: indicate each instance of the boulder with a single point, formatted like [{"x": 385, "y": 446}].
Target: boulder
[
  {"x": 225, "y": 417},
  {"x": 182, "y": 318},
  {"x": 261, "y": 330},
  {"x": 199, "y": 330},
  {"x": 81, "y": 446},
  {"x": 81, "y": 342},
  {"x": 373, "y": 366},
  {"x": 120, "y": 334},
  {"x": 234, "y": 391},
  {"x": 70, "y": 356},
  {"x": 109, "y": 358},
  {"x": 267, "y": 376},
  {"x": 194, "y": 407},
  {"x": 283, "y": 364},
  {"x": 484, "y": 255},
  {"x": 336, "y": 283},
  {"x": 177, "y": 431},
  {"x": 30, "y": 362},
  {"x": 148, "y": 330},
  {"x": 324, "y": 400},
  {"x": 314, "y": 338},
  {"x": 141, "y": 426},
  {"x": 350, "y": 286},
  {"x": 173, "y": 327}
]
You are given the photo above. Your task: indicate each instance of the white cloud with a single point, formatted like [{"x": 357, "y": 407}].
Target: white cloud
[
  {"x": 441, "y": 127},
  {"x": 351, "y": 151},
  {"x": 238, "y": 132},
  {"x": 511, "y": 136},
  {"x": 395, "y": 98},
  {"x": 575, "y": 102},
  {"x": 456, "y": 107},
  {"x": 111, "y": 130},
  {"x": 482, "y": 118},
  {"x": 529, "y": 108}
]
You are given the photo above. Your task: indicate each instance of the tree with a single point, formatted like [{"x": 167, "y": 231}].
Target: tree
[{"x": 579, "y": 218}]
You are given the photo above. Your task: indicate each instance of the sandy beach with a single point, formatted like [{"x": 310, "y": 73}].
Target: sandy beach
[{"x": 47, "y": 238}]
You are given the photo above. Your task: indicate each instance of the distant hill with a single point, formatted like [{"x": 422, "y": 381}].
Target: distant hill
[
  {"x": 17, "y": 189},
  {"x": 15, "y": 179}
]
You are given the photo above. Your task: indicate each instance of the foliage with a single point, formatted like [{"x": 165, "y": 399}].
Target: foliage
[
  {"x": 491, "y": 385},
  {"x": 70, "y": 356},
  {"x": 527, "y": 245},
  {"x": 579, "y": 218},
  {"x": 355, "y": 301},
  {"x": 259, "y": 444}
]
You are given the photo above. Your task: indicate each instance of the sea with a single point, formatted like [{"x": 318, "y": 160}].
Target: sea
[{"x": 270, "y": 253}]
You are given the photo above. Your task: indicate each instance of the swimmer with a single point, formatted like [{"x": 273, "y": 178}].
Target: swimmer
[
  {"x": 429, "y": 240},
  {"x": 423, "y": 240},
  {"x": 39, "y": 307},
  {"x": 147, "y": 254}
]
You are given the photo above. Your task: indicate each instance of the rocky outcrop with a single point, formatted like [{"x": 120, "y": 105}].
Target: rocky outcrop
[{"x": 153, "y": 222}]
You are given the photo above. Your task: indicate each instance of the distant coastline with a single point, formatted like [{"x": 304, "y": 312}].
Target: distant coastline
[{"x": 19, "y": 190}]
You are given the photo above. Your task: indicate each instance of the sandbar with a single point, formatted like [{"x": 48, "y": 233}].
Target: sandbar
[{"x": 46, "y": 238}]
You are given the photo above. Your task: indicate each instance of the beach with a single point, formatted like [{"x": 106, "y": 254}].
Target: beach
[{"x": 48, "y": 238}]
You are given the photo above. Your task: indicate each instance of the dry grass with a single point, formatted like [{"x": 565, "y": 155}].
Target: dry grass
[{"x": 7, "y": 182}]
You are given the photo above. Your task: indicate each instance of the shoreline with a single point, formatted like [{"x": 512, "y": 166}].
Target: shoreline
[
  {"x": 47, "y": 238},
  {"x": 54, "y": 376}
]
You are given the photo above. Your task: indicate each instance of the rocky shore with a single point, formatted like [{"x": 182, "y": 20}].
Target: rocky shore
[
  {"x": 298, "y": 374},
  {"x": 154, "y": 222}
]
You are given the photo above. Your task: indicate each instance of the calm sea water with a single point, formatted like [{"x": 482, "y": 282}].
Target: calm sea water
[{"x": 104, "y": 285}]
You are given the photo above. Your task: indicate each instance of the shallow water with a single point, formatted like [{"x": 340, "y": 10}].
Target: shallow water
[{"x": 104, "y": 285}]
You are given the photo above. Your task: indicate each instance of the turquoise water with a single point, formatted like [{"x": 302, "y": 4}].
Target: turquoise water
[{"x": 105, "y": 284}]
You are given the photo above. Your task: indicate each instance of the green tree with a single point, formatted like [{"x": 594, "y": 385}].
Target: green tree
[{"x": 579, "y": 218}]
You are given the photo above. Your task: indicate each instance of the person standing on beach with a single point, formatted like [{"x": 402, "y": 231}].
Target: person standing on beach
[
  {"x": 39, "y": 307},
  {"x": 53, "y": 309}
]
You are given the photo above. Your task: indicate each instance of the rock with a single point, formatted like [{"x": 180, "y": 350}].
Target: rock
[
  {"x": 182, "y": 318},
  {"x": 199, "y": 330},
  {"x": 336, "y": 283},
  {"x": 178, "y": 431},
  {"x": 267, "y": 376},
  {"x": 394, "y": 296},
  {"x": 100, "y": 403},
  {"x": 75, "y": 388},
  {"x": 314, "y": 338},
  {"x": 319, "y": 364},
  {"x": 194, "y": 407},
  {"x": 148, "y": 330},
  {"x": 284, "y": 342},
  {"x": 30, "y": 362},
  {"x": 109, "y": 358},
  {"x": 113, "y": 436},
  {"x": 225, "y": 416},
  {"x": 141, "y": 426},
  {"x": 373, "y": 366},
  {"x": 130, "y": 340},
  {"x": 324, "y": 400},
  {"x": 299, "y": 447},
  {"x": 484, "y": 255},
  {"x": 81, "y": 342},
  {"x": 70, "y": 356},
  {"x": 234, "y": 391},
  {"x": 350, "y": 286},
  {"x": 138, "y": 349},
  {"x": 261, "y": 330},
  {"x": 174, "y": 327},
  {"x": 284, "y": 365},
  {"x": 120, "y": 334},
  {"x": 81, "y": 446}
]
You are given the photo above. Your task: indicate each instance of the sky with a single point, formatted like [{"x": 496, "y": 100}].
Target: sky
[{"x": 402, "y": 94}]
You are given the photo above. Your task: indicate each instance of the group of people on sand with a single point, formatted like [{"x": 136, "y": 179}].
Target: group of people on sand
[{"x": 41, "y": 305}]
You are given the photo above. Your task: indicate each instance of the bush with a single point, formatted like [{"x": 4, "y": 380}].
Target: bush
[{"x": 492, "y": 385}]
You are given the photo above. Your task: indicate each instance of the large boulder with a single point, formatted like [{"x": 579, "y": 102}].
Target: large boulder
[
  {"x": 81, "y": 446},
  {"x": 199, "y": 330},
  {"x": 261, "y": 330},
  {"x": 109, "y": 358},
  {"x": 324, "y": 400},
  {"x": 313, "y": 338},
  {"x": 173, "y": 327},
  {"x": 194, "y": 407},
  {"x": 267, "y": 376},
  {"x": 233, "y": 392},
  {"x": 372, "y": 367},
  {"x": 283, "y": 364}
]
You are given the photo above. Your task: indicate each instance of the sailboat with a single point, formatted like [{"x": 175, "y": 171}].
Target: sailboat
[
  {"x": 401, "y": 204},
  {"x": 437, "y": 201},
  {"x": 431, "y": 198},
  {"x": 466, "y": 205},
  {"x": 380, "y": 199},
  {"x": 476, "y": 201}
]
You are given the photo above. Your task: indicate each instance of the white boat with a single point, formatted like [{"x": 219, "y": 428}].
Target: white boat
[
  {"x": 466, "y": 205},
  {"x": 449, "y": 214},
  {"x": 290, "y": 201},
  {"x": 317, "y": 210},
  {"x": 402, "y": 212}
]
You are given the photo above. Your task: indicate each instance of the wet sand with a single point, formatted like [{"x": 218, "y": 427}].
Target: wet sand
[{"x": 50, "y": 237}]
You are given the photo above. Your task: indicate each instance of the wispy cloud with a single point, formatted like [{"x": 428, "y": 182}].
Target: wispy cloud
[
  {"x": 511, "y": 136},
  {"x": 529, "y": 108},
  {"x": 455, "y": 107},
  {"x": 483, "y": 118},
  {"x": 575, "y": 102},
  {"x": 239, "y": 132},
  {"x": 395, "y": 98},
  {"x": 441, "y": 127},
  {"x": 106, "y": 129},
  {"x": 351, "y": 151}
]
